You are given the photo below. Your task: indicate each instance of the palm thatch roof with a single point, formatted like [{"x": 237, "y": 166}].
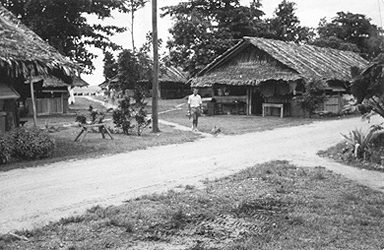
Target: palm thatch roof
[
  {"x": 21, "y": 49},
  {"x": 51, "y": 81},
  {"x": 172, "y": 74},
  {"x": 7, "y": 92},
  {"x": 166, "y": 74},
  {"x": 254, "y": 60}
]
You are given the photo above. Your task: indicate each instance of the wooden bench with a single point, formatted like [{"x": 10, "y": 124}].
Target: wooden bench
[
  {"x": 86, "y": 127},
  {"x": 274, "y": 105}
]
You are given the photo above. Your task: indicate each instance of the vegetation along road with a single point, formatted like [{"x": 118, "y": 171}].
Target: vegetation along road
[{"x": 34, "y": 196}]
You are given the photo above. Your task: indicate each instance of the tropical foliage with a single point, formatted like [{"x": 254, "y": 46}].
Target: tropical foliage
[
  {"x": 312, "y": 97},
  {"x": 285, "y": 25},
  {"x": 63, "y": 24},
  {"x": 204, "y": 29},
  {"x": 129, "y": 117},
  {"x": 350, "y": 31},
  {"x": 360, "y": 141}
]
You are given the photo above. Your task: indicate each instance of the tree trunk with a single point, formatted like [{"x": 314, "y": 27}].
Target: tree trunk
[{"x": 132, "y": 21}]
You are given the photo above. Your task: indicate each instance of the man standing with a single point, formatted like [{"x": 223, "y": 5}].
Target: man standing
[{"x": 194, "y": 108}]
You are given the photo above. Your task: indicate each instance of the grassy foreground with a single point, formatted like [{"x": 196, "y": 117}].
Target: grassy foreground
[{"x": 270, "y": 206}]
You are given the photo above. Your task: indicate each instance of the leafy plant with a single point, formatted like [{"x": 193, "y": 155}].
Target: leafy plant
[
  {"x": 122, "y": 116},
  {"x": 360, "y": 141},
  {"x": 6, "y": 148},
  {"x": 32, "y": 143},
  {"x": 127, "y": 117},
  {"x": 312, "y": 97}
]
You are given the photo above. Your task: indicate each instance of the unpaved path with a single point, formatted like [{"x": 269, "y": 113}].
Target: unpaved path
[{"x": 34, "y": 196}]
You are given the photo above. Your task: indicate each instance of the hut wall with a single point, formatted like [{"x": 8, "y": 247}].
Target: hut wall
[
  {"x": 46, "y": 106},
  {"x": 333, "y": 104}
]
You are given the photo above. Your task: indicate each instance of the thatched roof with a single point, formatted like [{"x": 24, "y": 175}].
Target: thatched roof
[
  {"x": 255, "y": 60},
  {"x": 7, "y": 92},
  {"x": 51, "y": 81},
  {"x": 166, "y": 74},
  {"x": 172, "y": 74},
  {"x": 21, "y": 48}
]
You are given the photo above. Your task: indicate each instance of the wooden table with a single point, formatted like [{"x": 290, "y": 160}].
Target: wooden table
[
  {"x": 86, "y": 127},
  {"x": 274, "y": 105}
]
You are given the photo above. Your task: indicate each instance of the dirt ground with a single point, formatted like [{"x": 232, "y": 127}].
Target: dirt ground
[{"x": 34, "y": 196}]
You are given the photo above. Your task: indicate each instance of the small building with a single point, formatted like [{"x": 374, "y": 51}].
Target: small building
[
  {"x": 52, "y": 95},
  {"x": 25, "y": 56},
  {"x": 173, "y": 83},
  {"x": 259, "y": 74}
]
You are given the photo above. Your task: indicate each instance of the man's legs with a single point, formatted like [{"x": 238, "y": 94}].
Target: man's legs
[{"x": 194, "y": 123}]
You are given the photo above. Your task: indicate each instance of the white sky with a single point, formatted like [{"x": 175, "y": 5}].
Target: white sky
[{"x": 309, "y": 13}]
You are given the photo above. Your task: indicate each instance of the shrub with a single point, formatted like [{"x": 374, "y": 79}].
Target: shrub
[
  {"x": 122, "y": 116},
  {"x": 6, "y": 148},
  {"x": 360, "y": 141},
  {"x": 127, "y": 117},
  {"x": 312, "y": 97},
  {"x": 32, "y": 143}
]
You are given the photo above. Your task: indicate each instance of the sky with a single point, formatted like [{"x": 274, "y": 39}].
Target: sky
[{"x": 309, "y": 13}]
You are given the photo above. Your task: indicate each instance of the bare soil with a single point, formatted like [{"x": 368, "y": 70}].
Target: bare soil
[{"x": 34, "y": 196}]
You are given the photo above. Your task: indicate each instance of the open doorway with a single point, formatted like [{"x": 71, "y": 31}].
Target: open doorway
[{"x": 257, "y": 101}]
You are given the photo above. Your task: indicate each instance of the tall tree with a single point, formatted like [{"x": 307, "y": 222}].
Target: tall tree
[
  {"x": 354, "y": 32},
  {"x": 203, "y": 29},
  {"x": 110, "y": 65},
  {"x": 285, "y": 25},
  {"x": 134, "y": 70},
  {"x": 63, "y": 25},
  {"x": 133, "y": 6}
]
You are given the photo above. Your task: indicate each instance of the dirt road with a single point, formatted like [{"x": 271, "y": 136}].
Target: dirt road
[{"x": 35, "y": 196}]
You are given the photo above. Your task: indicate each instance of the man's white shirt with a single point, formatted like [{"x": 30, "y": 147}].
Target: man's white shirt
[{"x": 194, "y": 101}]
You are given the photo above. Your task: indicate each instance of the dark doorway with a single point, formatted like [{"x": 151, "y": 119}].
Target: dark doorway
[{"x": 257, "y": 101}]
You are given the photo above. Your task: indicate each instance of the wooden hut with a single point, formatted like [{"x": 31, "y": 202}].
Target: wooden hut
[
  {"x": 52, "y": 95},
  {"x": 259, "y": 74},
  {"x": 24, "y": 55},
  {"x": 173, "y": 83}
]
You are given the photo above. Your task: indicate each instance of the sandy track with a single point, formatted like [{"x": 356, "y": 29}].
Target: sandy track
[{"x": 34, "y": 196}]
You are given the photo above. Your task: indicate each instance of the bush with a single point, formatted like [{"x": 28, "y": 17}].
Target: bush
[
  {"x": 32, "y": 143},
  {"x": 6, "y": 148},
  {"x": 128, "y": 117}
]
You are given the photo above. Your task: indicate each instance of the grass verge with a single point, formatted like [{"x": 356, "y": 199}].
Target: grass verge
[{"x": 269, "y": 206}]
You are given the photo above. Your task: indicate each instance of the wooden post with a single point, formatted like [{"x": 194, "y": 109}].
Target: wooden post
[
  {"x": 155, "y": 84},
  {"x": 33, "y": 101}
]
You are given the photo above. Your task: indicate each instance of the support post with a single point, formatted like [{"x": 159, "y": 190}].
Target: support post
[
  {"x": 155, "y": 84},
  {"x": 33, "y": 101}
]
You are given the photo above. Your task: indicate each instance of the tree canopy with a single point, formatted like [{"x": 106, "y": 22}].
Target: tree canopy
[
  {"x": 63, "y": 24},
  {"x": 285, "y": 25},
  {"x": 349, "y": 31},
  {"x": 203, "y": 29}
]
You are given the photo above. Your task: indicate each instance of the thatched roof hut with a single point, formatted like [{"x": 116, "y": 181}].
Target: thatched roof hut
[
  {"x": 254, "y": 60},
  {"x": 22, "y": 50},
  {"x": 260, "y": 71},
  {"x": 172, "y": 82},
  {"x": 24, "y": 55}
]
